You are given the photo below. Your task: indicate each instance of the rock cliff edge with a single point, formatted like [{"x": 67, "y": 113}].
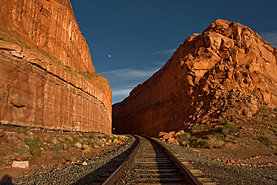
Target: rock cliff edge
[
  {"x": 46, "y": 74},
  {"x": 226, "y": 71}
]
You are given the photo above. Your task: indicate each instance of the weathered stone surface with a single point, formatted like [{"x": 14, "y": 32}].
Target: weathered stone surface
[
  {"x": 226, "y": 70},
  {"x": 46, "y": 75},
  {"x": 51, "y": 25},
  {"x": 20, "y": 164}
]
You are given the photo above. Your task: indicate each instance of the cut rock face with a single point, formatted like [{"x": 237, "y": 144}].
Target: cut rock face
[
  {"x": 46, "y": 74},
  {"x": 226, "y": 70}
]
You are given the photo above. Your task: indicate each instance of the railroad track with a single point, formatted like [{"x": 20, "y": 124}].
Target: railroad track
[{"x": 151, "y": 163}]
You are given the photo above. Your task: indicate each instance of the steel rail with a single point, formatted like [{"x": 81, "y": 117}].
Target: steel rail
[
  {"x": 118, "y": 172},
  {"x": 190, "y": 177}
]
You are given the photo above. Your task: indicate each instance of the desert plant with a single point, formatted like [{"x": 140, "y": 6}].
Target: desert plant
[
  {"x": 69, "y": 68},
  {"x": 214, "y": 141},
  {"x": 27, "y": 46},
  {"x": 183, "y": 138},
  {"x": 19, "y": 149},
  {"x": 265, "y": 140},
  {"x": 74, "y": 141},
  {"x": 108, "y": 137},
  {"x": 24, "y": 130},
  {"x": 226, "y": 129},
  {"x": 6, "y": 140},
  {"x": 197, "y": 128},
  {"x": 2, "y": 37},
  {"x": 35, "y": 147},
  {"x": 87, "y": 73},
  {"x": 58, "y": 146},
  {"x": 85, "y": 135}
]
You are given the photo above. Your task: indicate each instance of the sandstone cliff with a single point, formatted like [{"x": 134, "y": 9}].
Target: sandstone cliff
[
  {"x": 227, "y": 70},
  {"x": 46, "y": 74}
]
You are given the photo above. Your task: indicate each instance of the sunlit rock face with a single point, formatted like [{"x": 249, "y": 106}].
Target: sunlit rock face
[
  {"x": 227, "y": 70},
  {"x": 46, "y": 74}
]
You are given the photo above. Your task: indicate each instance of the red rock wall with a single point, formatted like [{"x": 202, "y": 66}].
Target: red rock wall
[
  {"x": 32, "y": 96},
  {"x": 226, "y": 70},
  {"x": 51, "y": 26},
  {"x": 43, "y": 57}
]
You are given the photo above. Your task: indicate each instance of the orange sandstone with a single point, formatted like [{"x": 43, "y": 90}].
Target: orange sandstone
[{"x": 227, "y": 70}]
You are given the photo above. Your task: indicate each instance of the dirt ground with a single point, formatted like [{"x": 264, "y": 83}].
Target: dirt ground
[
  {"x": 239, "y": 142},
  {"x": 46, "y": 148}
]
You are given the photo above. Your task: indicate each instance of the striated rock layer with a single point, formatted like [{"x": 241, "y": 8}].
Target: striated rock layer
[
  {"x": 46, "y": 74},
  {"x": 52, "y": 26},
  {"x": 227, "y": 70}
]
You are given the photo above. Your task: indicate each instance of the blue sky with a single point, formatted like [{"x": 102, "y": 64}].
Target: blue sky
[{"x": 131, "y": 39}]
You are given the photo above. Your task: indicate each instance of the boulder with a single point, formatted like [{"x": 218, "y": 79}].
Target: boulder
[
  {"x": 20, "y": 164},
  {"x": 173, "y": 141}
]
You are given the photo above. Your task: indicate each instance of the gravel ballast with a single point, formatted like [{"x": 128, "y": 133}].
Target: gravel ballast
[
  {"x": 74, "y": 173},
  {"x": 218, "y": 171},
  {"x": 221, "y": 173}
]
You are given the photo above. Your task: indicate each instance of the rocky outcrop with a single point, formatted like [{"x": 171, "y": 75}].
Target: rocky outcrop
[
  {"x": 227, "y": 70},
  {"x": 46, "y": 74}
]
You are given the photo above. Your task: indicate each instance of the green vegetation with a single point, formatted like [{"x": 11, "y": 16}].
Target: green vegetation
[
  {"x": 210, "y": 141},
  {"x": 2, "y": 37},
  {"x": 24, "y": 130},
  {"x": 226, "y": 129},
  {"x": 197, "y": 128},
  {"x": 265, "y": 140},
  {"x": 20, "y": 149},
  {"x": 27, "y": 46},
  {"x": 6, "y": 140},
  {"x": 86, "y": 73},
  {"x": 214, "y": 141},
  {"x": 108, "y": 137},
  {"x": 34, "y": 146},
  {"x": 69, "y": 68}
]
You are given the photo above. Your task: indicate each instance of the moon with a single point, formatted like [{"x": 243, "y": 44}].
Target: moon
[{"x": 110, "y": 56}]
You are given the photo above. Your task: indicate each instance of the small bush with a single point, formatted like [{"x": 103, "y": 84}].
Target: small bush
[
  {"x": 24, "y": 130},
  {"x": 183, "y": 138},
  {"x": 74, "y": 141},
  {"x": 108, "y": 137},
  {"x": 85, "y": 135},
  {"x": 196, "y": 142},
  {"x": 87, "y": 73},
  {"x": 19, "y": 149},
  {"x": 265, "y": 140},
  {"x": 214, "y": 141},
  {"x": 226, "y": 129},
  {"x": 2, "y": 37},
  {"x": 16, "y": 150},
  {"x": 27, "y": 47},
  {"x": 197, "y": 128},
  {"x": 31, "y": 142},
  {"x": 6, "y": 140},
  {"x": 35, "y": 147},
  {"x": 58, "y": 146},
  {"x": 69, "y": 68}
]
